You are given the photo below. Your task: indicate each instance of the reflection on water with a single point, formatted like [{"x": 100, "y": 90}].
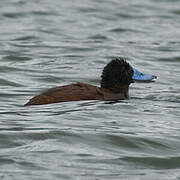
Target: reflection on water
[{"x": 46, "y": 44}]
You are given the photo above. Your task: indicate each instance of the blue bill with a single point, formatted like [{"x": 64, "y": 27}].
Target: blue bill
[{"x": 138, "y": 76}]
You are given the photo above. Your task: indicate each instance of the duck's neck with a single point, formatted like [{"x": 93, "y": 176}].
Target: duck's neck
[{"x": 121, "y": 89}]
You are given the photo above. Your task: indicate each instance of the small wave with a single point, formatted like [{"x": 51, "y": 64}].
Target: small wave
[
  {"x": 25, "y": 38},
  {"x": 169, "y": 97},
  {"x": 16, "y": 58},
  {"x": 43, "y": 13},
  {"x": 155, "y": 162},
  {"x": 170, "y": 59},
  {"x": 177, "y": 12},
  {"x": 4, "y": 82},
  {"x": 14, "y": 15},
  {"x": 123, "y": 30}
]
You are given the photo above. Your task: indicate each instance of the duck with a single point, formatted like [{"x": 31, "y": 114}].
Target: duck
[{"x": 116, "y": 77}]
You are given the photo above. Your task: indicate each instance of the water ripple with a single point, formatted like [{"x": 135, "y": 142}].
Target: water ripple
[
  {"x": 47, "y": 44},
  {"x": 155, "y": 162}
]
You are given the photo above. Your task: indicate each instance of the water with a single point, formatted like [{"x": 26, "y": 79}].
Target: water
[{"x": 51, "y": 43}]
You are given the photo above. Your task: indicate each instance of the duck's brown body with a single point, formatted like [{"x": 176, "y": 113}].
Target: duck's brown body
[{"x": 76, "y": 92}]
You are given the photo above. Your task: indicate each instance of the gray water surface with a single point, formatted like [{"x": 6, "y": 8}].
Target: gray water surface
[{"x": 50, "y": 43}]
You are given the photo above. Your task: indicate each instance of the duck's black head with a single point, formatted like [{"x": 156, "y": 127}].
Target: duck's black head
[{"x": 116, "y": 74}]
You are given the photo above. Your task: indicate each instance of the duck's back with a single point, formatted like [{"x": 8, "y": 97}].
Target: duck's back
[{"x": 72, "y": 92}]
